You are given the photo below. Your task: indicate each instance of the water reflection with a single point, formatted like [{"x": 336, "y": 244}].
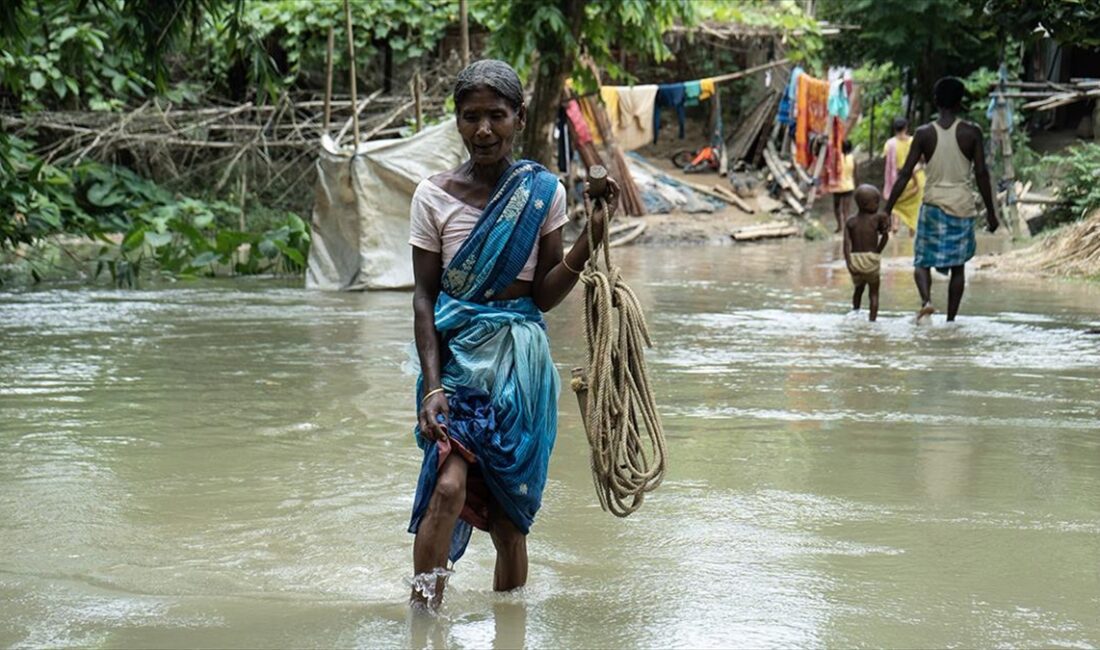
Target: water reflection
[
  {"x": 231, "y": 465},
  {"x": 502, "y": 625}
]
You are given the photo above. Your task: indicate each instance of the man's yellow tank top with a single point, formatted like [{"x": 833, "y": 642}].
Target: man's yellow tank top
[{"x": 947, "y": 175}]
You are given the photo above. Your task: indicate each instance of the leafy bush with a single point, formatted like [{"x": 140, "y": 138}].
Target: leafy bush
[
  {"x": 67, "y": 59},
  {"x": 1078, "y": 181},
  {"x": 885, "y": 110},
  {"x": 179, "y": 236}
]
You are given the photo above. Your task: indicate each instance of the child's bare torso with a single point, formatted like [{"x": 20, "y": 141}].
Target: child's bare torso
[{"x": 863, "y": 231}]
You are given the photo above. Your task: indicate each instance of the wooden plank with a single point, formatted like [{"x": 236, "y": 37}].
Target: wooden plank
[
  {"x": 732, "y": 197},
  {"x": 752, "y": 233},
  {"x": 795, "y": 205},
  {"x": 709, "y": 192},
  {"x": 1039, "y": 199},
  {"x": 780, "y": 173}
]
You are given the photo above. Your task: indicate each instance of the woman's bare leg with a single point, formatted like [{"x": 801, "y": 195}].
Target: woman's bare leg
[
  {"x": 511, "y": 545},
  {"x": 433, "y": 537}
]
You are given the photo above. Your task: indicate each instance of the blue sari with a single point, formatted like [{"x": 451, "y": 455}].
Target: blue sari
[{"x": 501, "y": 384}]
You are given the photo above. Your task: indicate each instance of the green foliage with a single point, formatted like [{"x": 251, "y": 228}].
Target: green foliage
[
  {"x": 885, "y": 110},
  {"x": 298, "y": 30},
  {"x": 800, "y": 30},
  {"x": 183, "y": 239},
  {"x": 1074, "y": 22},
  {"x": 1078, "y": 181},
  {"x": 181, "y": 236},
  {"x": 1025, "y": 160},
  {"x": 146, "y": 30},
  {"x": 70, "y": 57},
  {"x": 931, "y": 37},
  {"x": 934, "y": 38},
  {"x": 522, "y": 28}
]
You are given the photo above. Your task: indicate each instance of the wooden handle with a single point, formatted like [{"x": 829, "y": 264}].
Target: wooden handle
[{"x": 597, "y": 181}]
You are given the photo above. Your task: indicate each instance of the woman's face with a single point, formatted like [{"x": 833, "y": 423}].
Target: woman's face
[{"x": 488, "y": 125}]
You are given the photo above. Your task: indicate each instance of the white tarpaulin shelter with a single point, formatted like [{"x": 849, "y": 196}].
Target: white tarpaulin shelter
[{"x": 360, "y": 221}]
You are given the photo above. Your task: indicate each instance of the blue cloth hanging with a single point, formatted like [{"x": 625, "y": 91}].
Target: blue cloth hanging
[{"x": 669, "y": 95}]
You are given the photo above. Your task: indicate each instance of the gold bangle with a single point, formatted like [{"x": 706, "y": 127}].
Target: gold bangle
[
  {"x": 430, "y": 393},
  {"x": 569, "y": 268}
]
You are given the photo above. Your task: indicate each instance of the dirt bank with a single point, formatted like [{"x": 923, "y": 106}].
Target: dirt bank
[{"x": 703, "y": 227}]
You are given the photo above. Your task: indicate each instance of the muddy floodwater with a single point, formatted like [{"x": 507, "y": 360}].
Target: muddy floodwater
[{"x": 230, "y": 464}]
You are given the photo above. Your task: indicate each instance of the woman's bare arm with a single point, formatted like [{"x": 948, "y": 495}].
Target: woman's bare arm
[
  {"x": 427, "y": 273},
  {"x": 553, "y": 279}
]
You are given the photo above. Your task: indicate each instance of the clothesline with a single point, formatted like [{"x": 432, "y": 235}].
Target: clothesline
[{"x": 720, "y": 78}]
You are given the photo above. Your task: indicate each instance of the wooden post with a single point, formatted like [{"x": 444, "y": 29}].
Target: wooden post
[
  {"x": 416, "y": 100},
  {"x": 1002, "y": 137},
  {"x": 351, "y": 62},
  {"x": 718, "y": 137},
  {"x": 244, "y": 193},
  {"x": 464, "y": 28},
  {"x": 872, "y": 145},
  {"x": 328, "y": 75}
]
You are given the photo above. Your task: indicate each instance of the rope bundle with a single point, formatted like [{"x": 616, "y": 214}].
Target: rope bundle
[{"x": 624, "y": 430}]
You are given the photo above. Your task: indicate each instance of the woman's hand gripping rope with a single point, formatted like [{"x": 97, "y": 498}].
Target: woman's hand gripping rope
[{"x": 620, "y": 407}]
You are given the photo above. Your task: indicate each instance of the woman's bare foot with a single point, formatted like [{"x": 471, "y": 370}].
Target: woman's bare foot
[{"x": 925, "y": 311}]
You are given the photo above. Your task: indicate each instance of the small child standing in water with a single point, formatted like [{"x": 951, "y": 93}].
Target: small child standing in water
[{"x": 865, "y": 235}]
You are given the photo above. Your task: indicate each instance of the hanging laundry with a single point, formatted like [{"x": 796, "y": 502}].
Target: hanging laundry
[
  {"x": 840, "y": 87},
  {"x": 586, "y": 111},
  {"x": 706, "y": 88},
  {"x": 833, "y": 169},
  {"x": 787, "y": 102},
  {"x": 671, "y": 95},
  {"x": 610, "y": 97},
  {"x": 636, "y": 104},
  {"x": 590, "y": 119},
  {"x": 811, "y": 114},
  {"x": 576, "y": 118},
  {"x": 692, "y": 90}
]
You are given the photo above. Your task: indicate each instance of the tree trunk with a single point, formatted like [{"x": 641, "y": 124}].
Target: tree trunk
[
  {"x": 542, "y": 112},
  {"x": 555, "y": 65}
]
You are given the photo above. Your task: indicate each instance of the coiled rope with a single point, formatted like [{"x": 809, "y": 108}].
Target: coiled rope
[{"x": 621, "y": 420}]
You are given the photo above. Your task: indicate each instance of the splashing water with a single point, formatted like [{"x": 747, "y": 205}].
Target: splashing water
[{"x": 430, "y": 583}]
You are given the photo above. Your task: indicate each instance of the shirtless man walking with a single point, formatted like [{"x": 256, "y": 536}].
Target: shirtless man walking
[{"x": 945, "y": 227}]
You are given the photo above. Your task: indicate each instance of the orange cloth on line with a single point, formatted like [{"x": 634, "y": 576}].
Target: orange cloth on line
[
  {"x": 813, "y": 100},
  {"x": 706, "y": 88}
]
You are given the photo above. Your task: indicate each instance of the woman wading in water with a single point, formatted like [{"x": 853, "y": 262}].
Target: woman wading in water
[{"x": 487, "y": 259}]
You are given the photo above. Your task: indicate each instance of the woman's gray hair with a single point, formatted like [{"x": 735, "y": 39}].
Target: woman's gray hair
[{"x": 496, "y": 75}]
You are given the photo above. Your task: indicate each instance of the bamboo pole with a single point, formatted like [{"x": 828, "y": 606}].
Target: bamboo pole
[
  {"x": 416, "y": 100},
  {"x": 464, "y": 28},
  {"x": 351, "y": 62},
  {"x": 328, "y": 75},
  {"x": 744, "y": 73}
]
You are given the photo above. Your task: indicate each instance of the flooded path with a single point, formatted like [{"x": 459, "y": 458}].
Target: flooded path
[{"x": 231, "y": 464}]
